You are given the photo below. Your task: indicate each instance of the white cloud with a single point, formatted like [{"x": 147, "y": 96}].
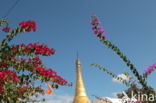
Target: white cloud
[{"x": 123, "y": 76}]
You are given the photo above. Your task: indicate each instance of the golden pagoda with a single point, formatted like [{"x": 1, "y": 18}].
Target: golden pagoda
[{"x": 80, "y": 92}]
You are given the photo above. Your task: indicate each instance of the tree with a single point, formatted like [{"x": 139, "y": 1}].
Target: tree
[{"x": 21, "y": 66}]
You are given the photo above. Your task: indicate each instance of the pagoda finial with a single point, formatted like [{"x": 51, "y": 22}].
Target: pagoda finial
[{"x": 77, "y": 55}]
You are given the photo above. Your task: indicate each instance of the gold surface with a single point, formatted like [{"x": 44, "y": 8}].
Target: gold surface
[
  {"x": 80, "y": 92},
  {"x": 81, "y": 99}
]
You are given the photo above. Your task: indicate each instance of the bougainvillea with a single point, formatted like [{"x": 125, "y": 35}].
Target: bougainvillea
[
  {"x": 139, "y": 82},
  {"x": 35, "y": 48},
  {"x": 8, "y": 75},
  {"x": 149, "y": 70},
  {"x": 29, "y": 26},
  {"x": 98, "y": 30},
  {"x": 21, "y": 66},
  {"x": 6, "y": 29}
]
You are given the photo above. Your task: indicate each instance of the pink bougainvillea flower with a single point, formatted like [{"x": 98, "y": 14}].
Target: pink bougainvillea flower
[
  {"x": 29, "y": 26},
  {"x": 149, "y": 70},
  {"x": 98, "y": 30},
  {"x": 95, "y": 20},
  {"x": 103, "y": 36},
  {"x": 6, "y": 29},
  {"x": 101, "y": 31}
]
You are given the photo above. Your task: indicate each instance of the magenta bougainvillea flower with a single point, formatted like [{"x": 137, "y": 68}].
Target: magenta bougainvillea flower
[
  {"x": 98, "y": 30},
  {"x": 149, "y": 70},
  {"x": 36, "y": 48},
  {"x": 29, "y": 26},
  {"x": 6, "y": 29},
  {"x": 51, "y": 73},
  {"x": 8, "y": 75}
]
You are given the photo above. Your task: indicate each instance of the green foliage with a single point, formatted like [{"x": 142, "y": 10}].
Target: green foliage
[{"x": 111, "y": 74}]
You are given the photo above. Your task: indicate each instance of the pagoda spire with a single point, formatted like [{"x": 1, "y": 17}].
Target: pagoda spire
[{"x": 80, "y": 92}]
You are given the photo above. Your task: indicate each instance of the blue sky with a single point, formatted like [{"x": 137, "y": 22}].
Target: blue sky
[{"x": 65, "y": 26}]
